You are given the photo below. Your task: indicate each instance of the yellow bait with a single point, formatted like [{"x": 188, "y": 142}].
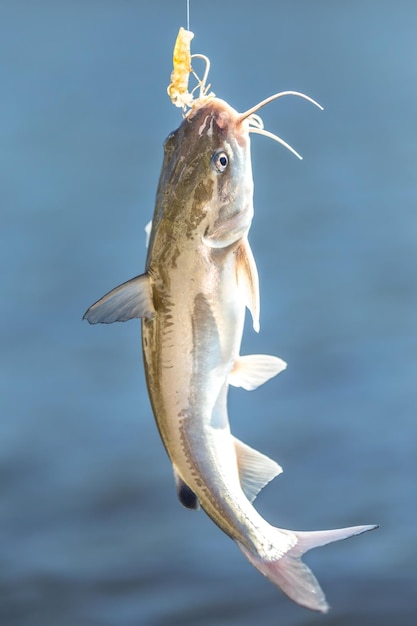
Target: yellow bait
[{"x": 178, "y": 87}]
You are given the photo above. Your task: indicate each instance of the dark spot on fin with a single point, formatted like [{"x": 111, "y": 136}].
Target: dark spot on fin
[{"x": 185, "y": 495}]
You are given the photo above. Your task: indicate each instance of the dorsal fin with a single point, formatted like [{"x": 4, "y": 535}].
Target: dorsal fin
[
  {"x": 248, "y": 280},
  {"x": 255, "y": 469}
]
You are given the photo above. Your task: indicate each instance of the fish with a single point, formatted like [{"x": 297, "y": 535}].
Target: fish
[{"x": 200, "y": 277}]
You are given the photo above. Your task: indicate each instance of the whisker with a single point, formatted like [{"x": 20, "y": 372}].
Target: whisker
[
  {"x": 258, "y": 106},
  {"x": 255, "y": 121},
  {"x": 266, "y": 133}
]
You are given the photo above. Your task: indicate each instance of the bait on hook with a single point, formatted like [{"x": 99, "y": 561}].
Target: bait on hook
[{"x": 181, "y": 97}]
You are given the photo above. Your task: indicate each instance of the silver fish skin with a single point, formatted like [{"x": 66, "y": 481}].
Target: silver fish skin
[{"x": 200, "y": 276}]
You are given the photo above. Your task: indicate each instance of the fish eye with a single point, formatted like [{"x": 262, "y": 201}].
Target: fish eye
[{"x": 220, "y": 161}]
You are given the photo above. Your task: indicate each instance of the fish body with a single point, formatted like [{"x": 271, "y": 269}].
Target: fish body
[
  {"x": 204, "y": 275},
  {"x": 200, "y": 276}
]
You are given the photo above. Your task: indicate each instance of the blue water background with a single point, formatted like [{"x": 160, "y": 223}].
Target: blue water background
[{"x": 91, "y": 532}]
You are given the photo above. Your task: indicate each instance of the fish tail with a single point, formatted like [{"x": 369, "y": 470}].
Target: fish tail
[{"x": 289, "y": 573}]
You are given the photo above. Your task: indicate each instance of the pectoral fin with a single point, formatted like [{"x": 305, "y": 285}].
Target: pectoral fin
[
  {"x": 185, "y": 495},
  {"x": 125, "y": 302},
  {"x": 248, "y": 280},
  {"x": 253, "y": 370},
  {"x": 255, "y": 469}
]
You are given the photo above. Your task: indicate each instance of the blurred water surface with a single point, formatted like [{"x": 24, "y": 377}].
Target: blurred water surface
[{"x": 91, "y": 532}]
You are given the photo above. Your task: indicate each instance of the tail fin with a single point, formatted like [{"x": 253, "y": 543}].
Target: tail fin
[{"x": 290, "y": 574}]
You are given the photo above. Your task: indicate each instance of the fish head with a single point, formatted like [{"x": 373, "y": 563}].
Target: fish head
[{"x": 206, "y": 185}]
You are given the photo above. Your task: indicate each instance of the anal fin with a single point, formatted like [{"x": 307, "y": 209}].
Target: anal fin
[{"x": 255, "y": 469}]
